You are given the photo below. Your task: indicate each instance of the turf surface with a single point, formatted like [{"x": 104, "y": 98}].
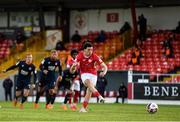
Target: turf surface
[{"x": 96, "y": 112}]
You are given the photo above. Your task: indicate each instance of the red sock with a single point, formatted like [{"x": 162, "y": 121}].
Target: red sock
[
  {"x": 70, "y": 100},
  {"x": 96, "y": 94},
  {"x": 76, "y": 95},
  {"x": 85, "y": 103}
]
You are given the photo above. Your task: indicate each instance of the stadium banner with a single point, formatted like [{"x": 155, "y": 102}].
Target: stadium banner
[
  {"x": 156, "y": 91},
  {"x": 52, "y": 37},
  {"x": 112, "y": 17}
]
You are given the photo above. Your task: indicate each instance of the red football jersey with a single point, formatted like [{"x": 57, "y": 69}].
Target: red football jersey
[
  {"x": 88, "y": 65},
  {"x": 70, "y": 61}
]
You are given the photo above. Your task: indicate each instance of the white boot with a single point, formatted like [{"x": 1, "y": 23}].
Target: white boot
[
  {"x": 83, "y": 110},
  {"x": 101, "y": 99}
]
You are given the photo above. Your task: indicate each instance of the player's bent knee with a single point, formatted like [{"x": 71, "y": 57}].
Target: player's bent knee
[
  {"x": 18, "y": 93},
  {"x": 51, "y": 91},
  {"x": 26, "y": 93}
]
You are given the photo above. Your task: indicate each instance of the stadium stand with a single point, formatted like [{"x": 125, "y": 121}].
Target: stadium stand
[
  {"x": 107, "y": 49},
  {"x": 153, "y": 60},
  {"x": 36, "y": 45},
  {"x": 5, "y": 48}
]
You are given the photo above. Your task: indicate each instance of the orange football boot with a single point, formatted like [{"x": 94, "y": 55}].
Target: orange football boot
[{"x": 36, "y": 105}]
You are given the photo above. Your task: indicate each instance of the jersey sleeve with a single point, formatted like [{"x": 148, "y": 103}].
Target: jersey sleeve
[
  {"x": 14, "y": 66},
  {"x": 78, "y": 57},
  {"x": 69, "y": 62},
  {"x": 42, "y": 65},
  {"x": 97, "y": 59}
]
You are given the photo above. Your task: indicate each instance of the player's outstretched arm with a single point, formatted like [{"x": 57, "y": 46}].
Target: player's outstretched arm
[
  {"x": 59, "y": 79},
  {"x": 104, "y": 69},
  {"x": 73, "y": 68},
  {"x": 11, "y": 67}
]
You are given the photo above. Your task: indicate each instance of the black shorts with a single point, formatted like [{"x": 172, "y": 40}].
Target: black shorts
[
  {"x": 66, "y": 84},
  {"x": 42, "y": 81},
  {"x": 20, "y": 85},
  {"x": 50, "y": 85}
]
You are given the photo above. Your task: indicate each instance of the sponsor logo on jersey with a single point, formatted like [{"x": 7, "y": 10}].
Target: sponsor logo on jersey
[
  {"x": 51, "y": 68},
  {"x": 24, "y": 72}
]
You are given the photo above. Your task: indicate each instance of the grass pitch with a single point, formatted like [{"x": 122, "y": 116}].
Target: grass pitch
[{"x": 96, "y": 112}]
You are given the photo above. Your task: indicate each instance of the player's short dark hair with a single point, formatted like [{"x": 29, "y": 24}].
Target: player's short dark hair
[
  {"x": 74, "y": 51},
  {"x": 87, "y": 44}
]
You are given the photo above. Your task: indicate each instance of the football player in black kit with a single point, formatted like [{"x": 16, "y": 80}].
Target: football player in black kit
[
  {"x": 70, "y": 83},
  {"x": 67, "y": 81},
  {"x": 25, "y": 71},
  {"x": 49, "y": 66}
]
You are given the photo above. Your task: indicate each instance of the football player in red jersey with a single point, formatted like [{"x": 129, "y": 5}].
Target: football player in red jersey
[{"x": 87, "y": 61}]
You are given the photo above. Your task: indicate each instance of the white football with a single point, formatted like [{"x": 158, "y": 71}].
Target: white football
[{"x": 152, "y": 108}]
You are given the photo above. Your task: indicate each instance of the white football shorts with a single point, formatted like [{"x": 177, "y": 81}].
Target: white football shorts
[
  {"x": 91, "y": 77},
  {"x": 76, "y": 85}
]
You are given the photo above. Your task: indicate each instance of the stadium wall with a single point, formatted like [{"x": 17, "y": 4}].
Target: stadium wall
[
  {"x": 115, "y": 78},
  {"x": 96, "y": 20},
  {"x": 160, "y": 93}
]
